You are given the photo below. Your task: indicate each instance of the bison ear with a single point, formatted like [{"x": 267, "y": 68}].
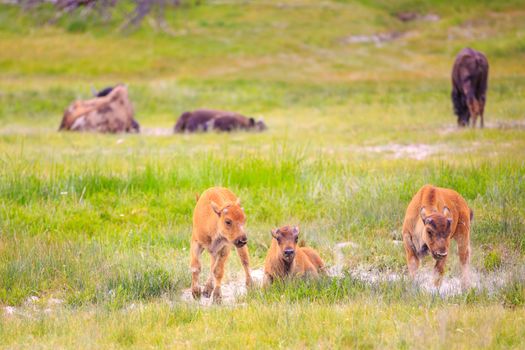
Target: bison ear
[
  {"x": 449, "y": 223},
  {"x": 215, "y": 208},
  {"x": 238, "y": 202},
  {"x": 252, "y": 122},
  {"x": 275, "y": 233},
  {"x": 422, "y": 214},
  {"x": 295, "y": 231}
]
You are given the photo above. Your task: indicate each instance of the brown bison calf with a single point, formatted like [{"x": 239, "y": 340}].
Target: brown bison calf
[
  {"x": 433, "y": 217},
  {"x": 285, "y": 258},
  {"x": 218, "y": 223}
]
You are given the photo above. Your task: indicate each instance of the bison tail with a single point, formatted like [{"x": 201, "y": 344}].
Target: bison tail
[
  {"x": 197, "y": 196},
  {"x": 471, "y": 214}
]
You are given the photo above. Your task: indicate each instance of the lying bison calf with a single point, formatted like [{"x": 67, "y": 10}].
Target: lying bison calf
[
  {"x": 285, "y": 258},
  {"x": 218, "y": 223},
  {"x": 433, "y": 217}
]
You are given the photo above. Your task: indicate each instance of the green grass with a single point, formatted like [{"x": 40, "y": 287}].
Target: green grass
[{"x": 102, "y": 222}]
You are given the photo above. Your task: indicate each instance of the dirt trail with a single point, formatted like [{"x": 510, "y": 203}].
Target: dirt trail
[
  {"x": 231, "y": 290},
  {"x": 451, "y": 285}
]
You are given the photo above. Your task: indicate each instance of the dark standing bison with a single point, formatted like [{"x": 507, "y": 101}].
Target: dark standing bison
[
  {"x": 202, "y": 120},
  {"x": 469, "y": 86}
]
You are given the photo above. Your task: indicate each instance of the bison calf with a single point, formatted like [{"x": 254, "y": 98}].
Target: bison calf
[
  {"x": 218, "y": 223},
  {"x": 285, "y": 258},
  {"x": 433, "y": 217}
]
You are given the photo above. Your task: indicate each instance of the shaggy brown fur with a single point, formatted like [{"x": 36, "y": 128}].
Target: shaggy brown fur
[
  {"x": 111, "y": 113},
  {"x": 469, "y": 86},
  {"x": 237, "y": 122},
  {"x": 202, "y": 120},
  {"x": 286, "y": 258},
  {"x": 435, "y": 216},
  {"x": 218, "y": 223}
]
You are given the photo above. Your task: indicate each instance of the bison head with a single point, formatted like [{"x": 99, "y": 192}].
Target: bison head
[
  {"x": 231, "y": 222},
  {"x": 260, "y": 125},
  {"x": 286, "y": 238},
  {"x": 436, "y": 234}
]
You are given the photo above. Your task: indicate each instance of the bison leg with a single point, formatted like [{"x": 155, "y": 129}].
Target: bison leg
[
  {"x": 412, "y": 259},
  {"x": 474, "y": 110},
  {"x": 439, "y": 271},
  {"x": 481, "y": 112},
  {"x": 268, "y": 279},
  {"x": 463, "y": 241},
  {"x": 311, "y": 272},
  {"x": 195, "y": 251},
  {"x": 245, "y": 261},
  {"x": 208, "y": 289},
  {"x": 218, "y": 272}
]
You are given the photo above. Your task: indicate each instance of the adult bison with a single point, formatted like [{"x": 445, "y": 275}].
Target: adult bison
[
  {"x": 469, "y": 86},
  {"x": 202, "y": 120},
  {"x": 111, "y": 112}
]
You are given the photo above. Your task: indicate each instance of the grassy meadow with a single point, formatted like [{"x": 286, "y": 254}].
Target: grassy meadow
[{"x": 95, "y": 229}]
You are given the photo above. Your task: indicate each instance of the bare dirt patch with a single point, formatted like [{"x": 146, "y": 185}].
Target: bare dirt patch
[
  {"x": 414, "y": 16},
  {"x": 416, "y": 151},
  {"x": 424, "y": 281},
  {"x": 231, "y": 290},
  {"x": 33, "y": 306},
  {"x": 378, "y": 38},
  {"x": 157, "y": 131}
]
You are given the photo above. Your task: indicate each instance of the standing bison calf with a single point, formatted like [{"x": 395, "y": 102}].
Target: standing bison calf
[
  {"x": 285, "y": 258},
  {"x": 218, "y": 223},
  {"x": 433, "y": 217}
]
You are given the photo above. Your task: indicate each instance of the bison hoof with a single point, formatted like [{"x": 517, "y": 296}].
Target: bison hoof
[
  {"x": 249, "y": 282},
  {"x": 217, "y": 296},
  {"x": 207, "y": 291},
  {"x": 196, "y": 292},
  {"x": 465, "y": 284}
]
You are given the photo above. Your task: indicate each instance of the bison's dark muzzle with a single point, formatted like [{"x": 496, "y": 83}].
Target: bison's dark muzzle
[
  {"x": 241, "y": 242},
  {"x": 439, "y": 255}
]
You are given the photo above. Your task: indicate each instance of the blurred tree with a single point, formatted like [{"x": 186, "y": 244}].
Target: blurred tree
[{"x": 105, "y": 8}]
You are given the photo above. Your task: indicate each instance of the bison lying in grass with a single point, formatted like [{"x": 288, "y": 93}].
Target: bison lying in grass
[
  {"x": 109, "y": 112},
  {"x": 469, "y": 86},
  {"x": 433, "y": 217},
  {"x": 285, "y": 258},
  {"x": 202, "y": 120}
]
